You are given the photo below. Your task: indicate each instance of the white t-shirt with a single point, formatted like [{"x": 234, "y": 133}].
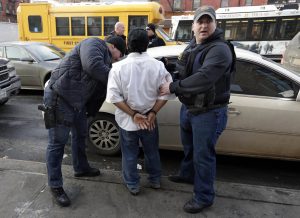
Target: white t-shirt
[{"x": 136, "y": 80}]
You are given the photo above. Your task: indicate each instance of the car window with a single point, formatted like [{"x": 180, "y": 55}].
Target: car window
[
  {"x": 45, "y": 52},
  {"x": 16, "y": 53},
  {"x": 253, "y": 79}
]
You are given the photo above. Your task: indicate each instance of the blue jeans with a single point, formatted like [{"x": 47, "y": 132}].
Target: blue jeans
[
  {"x": 130, "y": 151},
  {"x": 199, "y": 134},
  {"x": 58, "y": 137}
]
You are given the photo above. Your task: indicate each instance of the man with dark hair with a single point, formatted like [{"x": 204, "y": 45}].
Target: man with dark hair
[
  {"x": 133, "y": 86},
  {"x": 204, "y": 91},
  {"x": 154, "y": 40},
  {"x": 80, "y": 76}
]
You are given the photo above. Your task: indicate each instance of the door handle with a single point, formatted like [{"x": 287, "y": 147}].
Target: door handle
[{"x": 233, "y": 111}]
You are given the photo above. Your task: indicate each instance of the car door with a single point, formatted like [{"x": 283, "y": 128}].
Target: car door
[
  {"x": 168, "y": 116},
  {"x": 263, "y": 114},
  {"x": 26, "y": 66}
]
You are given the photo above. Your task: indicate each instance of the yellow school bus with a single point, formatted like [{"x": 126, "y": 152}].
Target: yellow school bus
[{"x": 65, "y": 25}]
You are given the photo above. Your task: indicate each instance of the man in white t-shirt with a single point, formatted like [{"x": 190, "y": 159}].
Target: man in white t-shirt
[{"x": 133, "y": 86}]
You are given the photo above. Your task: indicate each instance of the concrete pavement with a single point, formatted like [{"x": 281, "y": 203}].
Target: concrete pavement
[{"x": 24, "y": 193}]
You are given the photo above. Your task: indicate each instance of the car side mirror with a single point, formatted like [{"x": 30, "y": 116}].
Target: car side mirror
[{"x": 27, "y": 59}]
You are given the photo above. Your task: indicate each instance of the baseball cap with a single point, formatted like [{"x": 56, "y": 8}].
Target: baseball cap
[
  {"x": 151, "y": 26},
  {"x": 118, "y": 42},
  {"x": 205, "y": 10}
]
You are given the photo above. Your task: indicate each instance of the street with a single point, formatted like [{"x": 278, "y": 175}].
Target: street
[{"x": 23, "y": 137}]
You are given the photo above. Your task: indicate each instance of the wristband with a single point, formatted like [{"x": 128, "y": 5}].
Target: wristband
[{"x": 153, "y": 111}]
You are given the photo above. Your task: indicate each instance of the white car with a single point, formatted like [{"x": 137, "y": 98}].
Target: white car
[{"x": 264, "y": 112}]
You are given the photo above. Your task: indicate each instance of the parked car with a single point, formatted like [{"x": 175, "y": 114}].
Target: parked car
[
  {"x": 33, "y": 61},
  {"x": 291, "y": 56},
  {"x": 263, "y": 112},
  {"x": 9, "y": 82}
]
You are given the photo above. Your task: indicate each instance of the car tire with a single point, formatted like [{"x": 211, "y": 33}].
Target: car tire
[
  {"x": 103, "y": 134},
  {"x": 3, "y": 102}
]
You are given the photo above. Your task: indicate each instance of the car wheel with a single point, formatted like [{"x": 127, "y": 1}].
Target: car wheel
[
  {"x": 3, "y": 102},
  {"x": 103, "y": 134}
]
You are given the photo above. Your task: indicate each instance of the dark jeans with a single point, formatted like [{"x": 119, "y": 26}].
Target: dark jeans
[
  {"x": 199, "y": 134},
  {"x": 130, "y": 150},
  {"x": 58, "y": 137}
]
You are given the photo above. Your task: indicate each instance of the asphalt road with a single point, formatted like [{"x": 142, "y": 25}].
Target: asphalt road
[{"x": 23, "y": 137}]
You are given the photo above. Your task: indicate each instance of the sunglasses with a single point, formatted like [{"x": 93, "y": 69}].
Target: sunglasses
[{"x": 147, "y": 28}]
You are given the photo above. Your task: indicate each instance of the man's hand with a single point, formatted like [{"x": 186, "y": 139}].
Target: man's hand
[
  {"x": 164, "y": 89},
  {"x": 141, "y": 121},
  {"x": 151, "y": 119}
]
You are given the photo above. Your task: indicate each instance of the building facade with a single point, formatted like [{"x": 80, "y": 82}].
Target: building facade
[{"x": 8, "y": 10}]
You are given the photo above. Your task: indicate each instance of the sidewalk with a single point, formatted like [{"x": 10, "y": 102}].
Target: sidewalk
[{"x": 24, "y": 193}]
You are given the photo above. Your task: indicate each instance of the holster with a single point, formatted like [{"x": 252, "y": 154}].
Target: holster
[{"x": 49, "y": 116}]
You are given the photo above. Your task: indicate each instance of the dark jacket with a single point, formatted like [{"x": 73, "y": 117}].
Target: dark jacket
[
  {"x": 113, "y": 33},
  {"x": 83, "y": 70},
  {"x": 210, "y": 69},
  {"x": 155, "y": 41}
]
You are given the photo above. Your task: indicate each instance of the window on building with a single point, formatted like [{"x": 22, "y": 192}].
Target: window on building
[
  {"x": 1, "y": 8},
  {"x": 94, "y": 26},
  {"x": 224, "y": 3},
  {"x": 78, "y": 26},
  {"x": 248, "y": 2},
  {"x": 62, "y": 26},
  {"x": 109, "y": 24},
  {"x": 137, "y": 22},
  {"x": 35, "y": 24},
  {"x": 196, "y": 4},
  {"x": 177, "y": 5}
]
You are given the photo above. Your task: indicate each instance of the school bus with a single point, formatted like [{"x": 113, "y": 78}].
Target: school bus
[{"x": 66, "y": 24}]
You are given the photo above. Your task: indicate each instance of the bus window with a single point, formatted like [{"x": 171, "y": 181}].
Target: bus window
[
  {"x": 62, "y": 26},
  {"x": 78, "y": 26},
  {"x": 256, "y": 31},
  {"x": 109, "y": 24},
  {"x": 236, "y": 30},
  {"x": 35, "y": 24},
  {"x": 269, "y": 29},
  {"x": 137, "y": 22},
  {"x": 184, "y": 31},
  {"x": 288, "y": 28},
  {"x": 94, "y": 26}
]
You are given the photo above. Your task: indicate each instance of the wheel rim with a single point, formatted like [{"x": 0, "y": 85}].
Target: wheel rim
[{"x": 104, "y": 135}]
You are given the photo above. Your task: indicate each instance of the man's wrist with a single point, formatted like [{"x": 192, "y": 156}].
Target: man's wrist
[
  {"x": 133, "y": 114},
  {"x": 153, "y": 111}
]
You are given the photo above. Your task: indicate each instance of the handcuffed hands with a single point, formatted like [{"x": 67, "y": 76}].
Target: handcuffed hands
[{"x": 145, "y": 122}]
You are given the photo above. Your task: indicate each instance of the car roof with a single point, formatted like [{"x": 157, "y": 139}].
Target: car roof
[
  {"x": 22, "y": 43},
  {"x": 242, "y": 54},
  {"x": 174, "y": 50}
]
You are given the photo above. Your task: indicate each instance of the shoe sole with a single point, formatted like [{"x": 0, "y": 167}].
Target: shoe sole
[{"x": 87, "y": 175}]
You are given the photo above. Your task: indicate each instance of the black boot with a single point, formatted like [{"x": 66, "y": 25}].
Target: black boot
[
  {"x": 91, "y": 172},
  {"x": 60, "y": 197}
]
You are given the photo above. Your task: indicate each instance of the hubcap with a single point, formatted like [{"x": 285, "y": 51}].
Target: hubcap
[{"x": 104, "y": 135}]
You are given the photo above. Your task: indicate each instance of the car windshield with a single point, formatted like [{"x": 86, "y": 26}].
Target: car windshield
[{"x": 46, "y": 52}]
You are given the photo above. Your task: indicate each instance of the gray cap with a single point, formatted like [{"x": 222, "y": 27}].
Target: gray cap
[{"x": 205, "y": 10}]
